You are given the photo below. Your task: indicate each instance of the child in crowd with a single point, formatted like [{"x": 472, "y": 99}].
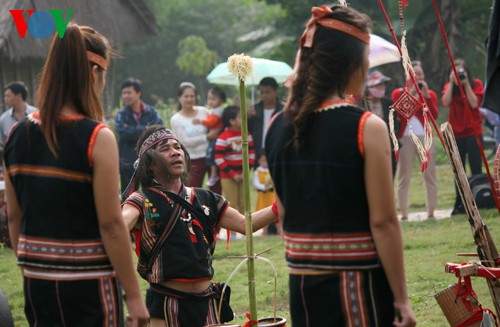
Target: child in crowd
[
  {"x": 215, "y": 100},
  {"x": 263, "y": 183},
  {"x": 229, "y": 157}
]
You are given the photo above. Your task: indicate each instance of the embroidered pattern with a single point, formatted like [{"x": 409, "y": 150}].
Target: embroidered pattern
[
  {"x": 155, "y": 138},
  {"x": 333, "y": 106},
  {"x": 60, "y": 254},
  {"x": 406, "y": 105},
  {"x": 353, "y": 298},
  {"x": 330, "y": 250}
]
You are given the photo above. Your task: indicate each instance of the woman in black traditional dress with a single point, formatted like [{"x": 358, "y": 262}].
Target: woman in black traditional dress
[{"x": 331, "y": 166}]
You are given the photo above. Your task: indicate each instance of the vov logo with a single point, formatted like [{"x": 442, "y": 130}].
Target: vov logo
[{"x": 41, "y": 24}]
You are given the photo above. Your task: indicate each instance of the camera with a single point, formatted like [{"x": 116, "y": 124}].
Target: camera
[
  {"x": 420, "y": 85},
  {"x": 461, "y": 74}
]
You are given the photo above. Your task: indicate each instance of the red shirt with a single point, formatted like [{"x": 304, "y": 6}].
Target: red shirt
[
  {"x": 458, "y": 116},
  {"x": 213, "y": 122},
  {"x": 431, "y": 104}
]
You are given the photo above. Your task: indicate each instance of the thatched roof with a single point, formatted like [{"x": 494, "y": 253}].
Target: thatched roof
[{"x": 121, "y": 21}]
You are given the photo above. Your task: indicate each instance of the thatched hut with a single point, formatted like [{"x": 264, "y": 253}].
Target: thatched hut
[{"x": 122, "y": 21}]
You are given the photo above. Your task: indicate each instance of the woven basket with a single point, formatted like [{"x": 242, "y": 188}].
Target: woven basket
[{"x": 453, "y": 308}]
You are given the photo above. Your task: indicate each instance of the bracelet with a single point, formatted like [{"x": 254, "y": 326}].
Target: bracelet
[{"x": 274, "y": 208}]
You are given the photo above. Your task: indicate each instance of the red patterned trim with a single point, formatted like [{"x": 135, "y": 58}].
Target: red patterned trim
[
  {"x": 58, "y": 250},
  {"x": 353, "y": 299},
  {"x": 361, "y": 132},
  {"x": 328, "y": 247},
  {"x": 36, "y": 115},
  {"x": 49, "y": 172},
  {"x": 90, "y": 147}
]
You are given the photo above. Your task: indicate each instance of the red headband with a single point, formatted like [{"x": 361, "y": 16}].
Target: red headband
[
  {"x": 97, "y": 59},
  {"x": 307, "y": 38},
  {"x": 317, "y": 18}
]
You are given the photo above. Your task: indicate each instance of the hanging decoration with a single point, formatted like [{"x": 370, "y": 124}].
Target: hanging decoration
[{"x": 407, "y": 104}]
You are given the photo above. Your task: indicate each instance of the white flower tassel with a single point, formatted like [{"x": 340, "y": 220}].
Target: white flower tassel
[
  {"x": 392, "y": 132},
  {"x": 343, "y": 3},
  {"x": 406, "y": 58},
  {"x": 240, "y": 65},
  {"x": 422, "y": 153},
  {"x": 427, "y": 129},
  {"x": 428, "y": 137}
]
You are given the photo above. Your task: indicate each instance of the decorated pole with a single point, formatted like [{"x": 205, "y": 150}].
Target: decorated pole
[{"x": 242, "y": 66}]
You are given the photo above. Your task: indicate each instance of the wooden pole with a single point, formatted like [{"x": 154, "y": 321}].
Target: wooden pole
[{"x": 486, "y": 248}]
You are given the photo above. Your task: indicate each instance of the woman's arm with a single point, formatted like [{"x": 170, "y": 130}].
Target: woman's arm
[
  {"x": 384, "y": 222},
  {"x": 113, "y": 231},
  {"x": 469, "y": 93},
  {"x": 431, "y": 102},
  {"x": 14, "y": 211},
  {"x": 447, "y": 95}
]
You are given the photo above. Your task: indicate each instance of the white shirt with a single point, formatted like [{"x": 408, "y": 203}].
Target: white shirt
[
  {"x": 416, "y": 127},
  {"x": 193, "y": 137},
  {"x": 267, "y": 117}
]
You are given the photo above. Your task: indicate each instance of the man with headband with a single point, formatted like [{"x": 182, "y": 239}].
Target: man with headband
[{"x": 176, "y": 229}]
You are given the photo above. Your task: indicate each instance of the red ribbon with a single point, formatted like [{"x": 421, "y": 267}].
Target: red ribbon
[
  {"x": 250, "y": 322},
  {"x": 307, "y": 37}
]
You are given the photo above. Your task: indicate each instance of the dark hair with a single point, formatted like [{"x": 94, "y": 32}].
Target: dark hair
[
  {"x": 134, "y": 82},
  {"x": 18, "y": 87},
  {"x": 269, "y": 81},
  {"x": 144, "y": 173},
  {"x": 230, "y": 112},
  {"x": 67, "y": 78},
  {"x": 324, "y": 69},
  {"x": 218, "y": 92},
  {"x": 182, "y": 87},
  {"x": 261, "y": 153},
  {"x": 416, "y": 63}
]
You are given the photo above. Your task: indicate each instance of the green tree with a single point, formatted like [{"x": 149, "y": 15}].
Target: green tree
[
  {"x": 219, "y": 23},
  {"x": 195, "y": 58}
]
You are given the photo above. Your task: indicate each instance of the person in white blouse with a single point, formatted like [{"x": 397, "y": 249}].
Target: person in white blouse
[{"x": 194, "y": 136}]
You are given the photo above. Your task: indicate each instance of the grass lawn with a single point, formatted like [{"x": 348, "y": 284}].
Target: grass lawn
[{"x": 428, "y": 246}]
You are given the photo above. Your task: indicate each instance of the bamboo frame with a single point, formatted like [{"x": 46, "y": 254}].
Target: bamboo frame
[{"x": 486, "y": 248}]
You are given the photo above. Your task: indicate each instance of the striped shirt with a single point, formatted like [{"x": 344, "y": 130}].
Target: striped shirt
[{"x": 229, "y": 152}]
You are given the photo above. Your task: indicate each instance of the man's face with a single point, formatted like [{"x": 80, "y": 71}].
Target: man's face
[
  {"x": 10, "y": 98},
  {"x": 174, "y": 156},
  {"x": 130, "y": 96},
  {"x": 267, "y": 94}
]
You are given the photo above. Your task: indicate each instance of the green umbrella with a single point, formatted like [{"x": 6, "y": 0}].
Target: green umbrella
[{"x": 261, "y": 68}]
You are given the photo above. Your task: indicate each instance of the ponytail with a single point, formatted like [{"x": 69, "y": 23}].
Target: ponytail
[{"x": 67, "y": 79}]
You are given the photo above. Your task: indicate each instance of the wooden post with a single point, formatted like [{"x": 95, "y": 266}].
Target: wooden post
[{"x": 486, "y": 248}]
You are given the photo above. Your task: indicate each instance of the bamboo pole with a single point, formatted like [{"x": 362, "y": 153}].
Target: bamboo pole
[
  {"x": 486, "y": 248},
  {"x": 248, "y": 214}
]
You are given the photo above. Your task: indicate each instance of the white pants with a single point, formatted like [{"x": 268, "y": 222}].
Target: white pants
[{"x": 407, "y": 154}]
